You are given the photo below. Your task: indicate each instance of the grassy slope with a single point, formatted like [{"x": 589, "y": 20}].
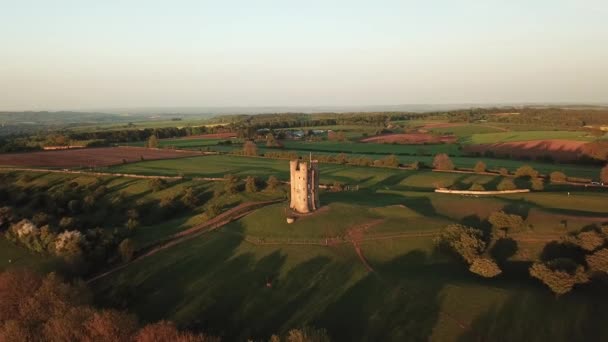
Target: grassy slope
[{"x": 217, "y": 283}]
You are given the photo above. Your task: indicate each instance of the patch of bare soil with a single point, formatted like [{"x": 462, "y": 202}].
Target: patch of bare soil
[{"x": 89, "y": 157}]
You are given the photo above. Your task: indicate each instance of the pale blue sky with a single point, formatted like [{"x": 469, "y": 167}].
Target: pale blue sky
[{"x": 59, "y": 54}]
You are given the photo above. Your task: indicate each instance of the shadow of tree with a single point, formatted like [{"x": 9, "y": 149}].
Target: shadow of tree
[{"x": 536, "y": 315}]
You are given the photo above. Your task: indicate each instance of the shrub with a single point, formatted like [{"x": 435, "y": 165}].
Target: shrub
[
  {"x": 443, "y": 162},
  {"x": 503, "y": 172}
]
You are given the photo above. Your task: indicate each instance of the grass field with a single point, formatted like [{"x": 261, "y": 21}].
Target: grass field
[
  {"x": 188, "y": 144},
  {"x": 12, "y": 256},
  {"x": 217, "y": 166},
  {"x": 491, "y": 138},
  {"x": 217, "y": 283}
]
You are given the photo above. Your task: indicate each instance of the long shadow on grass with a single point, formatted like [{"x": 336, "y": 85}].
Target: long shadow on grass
[
  {"x": 422, "y": 205},
  {"x": 537, "y": 315},
  {"x": 399, "y": 302}
]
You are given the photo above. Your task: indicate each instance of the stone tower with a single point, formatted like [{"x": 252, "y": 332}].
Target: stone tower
[{"x": 304, "y": 186}]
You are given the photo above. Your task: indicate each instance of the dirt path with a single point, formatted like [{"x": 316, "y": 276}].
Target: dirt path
[
  {"x": 356, "y": 234},
  {"x": 208, "y": 226}
]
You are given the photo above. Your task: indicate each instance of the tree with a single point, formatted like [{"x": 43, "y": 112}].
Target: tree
[
  {"x": 557, "y": 177},
  {"x": 526, "y": 171},
  {"x": 272, "y": 183},
  {"x": 598, "y": 261},
  {"x": 537, "y": 184},
  {"x": 485, "y": 267},
  {"x": 604, "y": 174},
  {"x": 507, "y": 222},
  {"x": 391, "y": 161},
  {"x": 232, "y": 183},
  {"x": 271, "y": 141},
  {"x": 132, "y": 223},
  {"x": 126, "y": 249},
  {"x": 152, "y": 142},
  {"x": 465, "y": 241},
  {"x": 306, "y": 334},
  {"x": 250, "y": 185},
  {"x": 480, "y": 167},
  {"x": 558, "y": 280},
  {"x": 110, "y": 325},
  {"x": 443, "y": 162},
  {"x": 250, "y": 148},
  {"x": 157, "y": 184},
  {"x": 166, "y": 331},
  {"x": 189, "y": 198},
  {"x": 6, "y": 216},
  {"x": 589, "y": 240},
  {"x": 212, "y": 210},
  {"x": 506, "y": 184}
]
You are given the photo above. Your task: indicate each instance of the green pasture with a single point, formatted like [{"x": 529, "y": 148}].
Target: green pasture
[
  {"x": 218, "y": 283},
  {"x": 371, "y": 148},
  {"x": 491, "y": 138},
  {"x": 188, "y": 144},
  {"x": 465, "y": 131},
  {"x": 217, "y": 166},
  {"x": 12, "y": 256}
]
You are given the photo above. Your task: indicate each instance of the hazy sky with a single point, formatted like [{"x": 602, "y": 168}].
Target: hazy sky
[{"x": 83, "y": 54}]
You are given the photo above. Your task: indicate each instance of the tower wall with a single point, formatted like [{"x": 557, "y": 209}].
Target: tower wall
[{"x": 304, "y": 186}]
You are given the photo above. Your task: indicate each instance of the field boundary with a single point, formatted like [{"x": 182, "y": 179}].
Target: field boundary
[{"x": 475, "y": 192}]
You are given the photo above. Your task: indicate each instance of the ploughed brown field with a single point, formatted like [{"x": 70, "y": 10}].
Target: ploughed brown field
[
  {"x": 88, "y": 157},
  {"x": 227, "y": 135},
  {"x": 410, "y": 138},
  {"x": 562, "y": 150}
]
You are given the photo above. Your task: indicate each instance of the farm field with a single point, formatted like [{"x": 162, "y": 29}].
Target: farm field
[
  {"x": 491, "y": 138},
  {"x": 87, "y": 157},
  {"x": 181, "y": 143},
  {"x": 217, "y": 166}
]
